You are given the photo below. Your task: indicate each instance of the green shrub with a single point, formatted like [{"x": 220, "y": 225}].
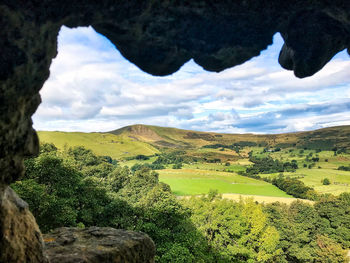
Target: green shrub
[{"x": 326, "y": 181}]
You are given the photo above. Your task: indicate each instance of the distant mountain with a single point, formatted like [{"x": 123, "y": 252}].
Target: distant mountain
[{"x": 146, "y": 139}]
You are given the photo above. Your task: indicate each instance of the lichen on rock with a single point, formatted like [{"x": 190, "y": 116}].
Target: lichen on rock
[{"x": 98, "y": 244}]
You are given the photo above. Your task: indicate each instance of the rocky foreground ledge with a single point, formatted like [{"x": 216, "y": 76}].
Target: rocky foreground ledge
[{"x": 98, "y": 244}]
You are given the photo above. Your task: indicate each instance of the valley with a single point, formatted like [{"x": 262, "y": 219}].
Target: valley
[
  {"x": 201, "y": 197},
  {"x": 194, "y": 163}
]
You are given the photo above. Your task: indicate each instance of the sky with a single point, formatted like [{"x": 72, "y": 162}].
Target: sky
[{"x": 93, "y": 88}]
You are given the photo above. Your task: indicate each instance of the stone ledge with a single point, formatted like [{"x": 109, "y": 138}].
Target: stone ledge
[{"x": 98, "y": 244}]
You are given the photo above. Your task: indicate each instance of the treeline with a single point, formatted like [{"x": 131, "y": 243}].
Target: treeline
[
  {"x": 241, "y": 144},
  {"x": 295, "y": 187},
  {"x": 172, "y": 158},
  {"x": 268, "y": 165},
  {"x": 344, "y": 168},
  {"x": 140, "y": 157},
  {"x": 235, "y": 146},
  {"x": 177, "y": 158},
  {"x": 152, "y": 166}
]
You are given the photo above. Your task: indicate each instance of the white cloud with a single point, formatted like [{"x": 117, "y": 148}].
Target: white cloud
[{"x": 92, "y": 88}]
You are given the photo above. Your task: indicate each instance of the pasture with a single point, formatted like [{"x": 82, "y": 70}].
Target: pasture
[{"x": 196, "y": 182}]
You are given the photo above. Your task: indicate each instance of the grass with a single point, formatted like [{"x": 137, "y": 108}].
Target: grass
[
  {"x": 314, "y": 176},
  {"x": 340, "y": 180},
  {"x": 195, "y": 182},
  {"x": 116, "y": 146}
]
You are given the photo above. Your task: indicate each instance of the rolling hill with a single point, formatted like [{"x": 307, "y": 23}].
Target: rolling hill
[
  {"x": 149, "y": 140},
  {"x": 324, "y": 139}
]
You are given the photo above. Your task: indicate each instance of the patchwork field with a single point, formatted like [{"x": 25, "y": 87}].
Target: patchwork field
[{"x": 212, "y": 160}]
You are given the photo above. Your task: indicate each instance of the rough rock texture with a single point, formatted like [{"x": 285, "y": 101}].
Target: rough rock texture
[
  {"x": 20, "y": 237},
  {"x": 98, "y": 244},
  {"x": 159, "y": 36}
]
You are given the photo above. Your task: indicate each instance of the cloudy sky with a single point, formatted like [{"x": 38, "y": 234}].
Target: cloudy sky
[{"x": 93, "y": 88}]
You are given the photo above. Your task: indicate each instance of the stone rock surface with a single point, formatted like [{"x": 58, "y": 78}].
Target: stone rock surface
[
  {"x": 158, "y": 36},
  {"x": 20, "y": 237},
  {"x": 98, "y": 244}
]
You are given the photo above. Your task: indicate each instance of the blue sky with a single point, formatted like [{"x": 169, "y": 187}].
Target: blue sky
[{"x": 93, "y": 88}]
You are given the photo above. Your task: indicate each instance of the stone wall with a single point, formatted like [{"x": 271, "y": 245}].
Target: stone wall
[{"x": 159, "y": 36}]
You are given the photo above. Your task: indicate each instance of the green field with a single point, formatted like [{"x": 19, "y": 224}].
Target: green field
[
  {"x": 340, "y": 180},
  {"x": 195, "y": 182}
]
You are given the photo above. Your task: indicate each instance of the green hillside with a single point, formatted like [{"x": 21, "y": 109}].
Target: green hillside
[
  {"x": 116, "y": 146},
  {"x": 325, "y": 139},
  {"x": 148, "y": 140}
]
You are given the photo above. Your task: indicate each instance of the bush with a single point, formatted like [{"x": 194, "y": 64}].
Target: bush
[
  {"x": 344, "y": 168},
  {"x": 177, "y": 166},
  {"x": 326, "y": 181}
]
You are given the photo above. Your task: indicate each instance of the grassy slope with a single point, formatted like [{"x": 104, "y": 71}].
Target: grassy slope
[
  {"x": 145, "y": 139},
  {"x": 338, "y": 136},
  {"x": 116, "y": 146},
  {"x": 314, "y": 176}
]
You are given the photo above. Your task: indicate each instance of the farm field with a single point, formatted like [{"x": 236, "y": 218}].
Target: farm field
[
  {"x": 340, "y": 180},
  {"x": 195, "y": 182}
]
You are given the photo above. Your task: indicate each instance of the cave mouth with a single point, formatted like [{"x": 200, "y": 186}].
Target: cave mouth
[{"x": 157, "y": 36}]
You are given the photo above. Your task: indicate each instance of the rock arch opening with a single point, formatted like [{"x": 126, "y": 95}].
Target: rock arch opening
[{"x": 157, "y": 36}]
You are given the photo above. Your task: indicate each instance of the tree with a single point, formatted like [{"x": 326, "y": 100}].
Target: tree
[
  {"x": 50, "y": 186},
  {"x": 118, "y": 178},
  {"x": 177, "y": 166},
  {"x": 325, "y": 181},
  {"x": 238, "y": 231},
  {"x": 329, "y": 251}
]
